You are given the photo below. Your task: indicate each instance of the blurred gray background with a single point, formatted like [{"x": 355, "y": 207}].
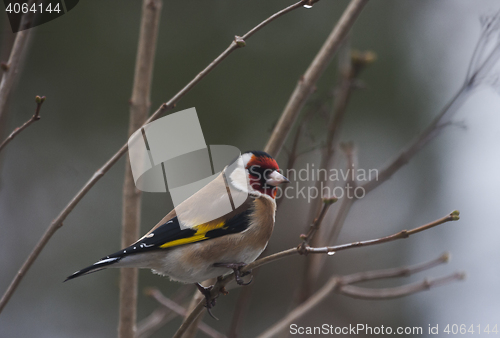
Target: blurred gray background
[{"x": 84, "y": 63}]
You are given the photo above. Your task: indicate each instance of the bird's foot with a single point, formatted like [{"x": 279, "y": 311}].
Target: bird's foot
[
  {"x": 237, "y": 271},
  {"x": 209, "y": 302}
]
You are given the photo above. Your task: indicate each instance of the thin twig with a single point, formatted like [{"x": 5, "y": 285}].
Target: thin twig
[
  {"x": 453, "y": 216},
  {"x": 395, "y": 272},
  {"x": 39, "y": 101},
  {"x": 340, "y": 284},
  {"x": 131, "y": 210},
  {"x": 314, "y": 227},
  {"x": 307, "y": 82},
  {"x": 222, "y": 282},
  {"x": 399, "y": 291},
  {"x": 58, "y": 221}
]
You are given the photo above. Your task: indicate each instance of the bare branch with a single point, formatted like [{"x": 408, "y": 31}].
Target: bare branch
[
  {"x": 307, "y": 82},
  {"x": 399, "y": 291},
  {"x": 454, "y": 216},
  {"x": 340, "y": 285},
  {"x": 314, "y": 227},
  {"x": 131, "y": 210},
  {"x": 395, "y": 272},
  {"x": 58, "y": 221},
  {"x": 39, "y": 101}
]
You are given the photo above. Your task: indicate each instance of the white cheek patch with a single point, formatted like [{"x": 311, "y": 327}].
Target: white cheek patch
[
  {"x": 239, "y": 176},
  {"x": 246, "y": 157}
]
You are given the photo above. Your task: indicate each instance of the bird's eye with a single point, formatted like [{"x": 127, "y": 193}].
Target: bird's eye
[{"x": 254, "y": 170}]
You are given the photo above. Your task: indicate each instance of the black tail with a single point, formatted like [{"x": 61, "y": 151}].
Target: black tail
[{"x": 102, "y": 264}]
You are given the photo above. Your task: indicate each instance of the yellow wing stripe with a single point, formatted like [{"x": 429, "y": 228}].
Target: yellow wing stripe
[
  {"x": 199, "y": 235},
  {"x": 192, "y": 239}
]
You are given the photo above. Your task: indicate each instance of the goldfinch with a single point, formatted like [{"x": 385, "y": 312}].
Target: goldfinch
[{"x": 199, "y": 252}]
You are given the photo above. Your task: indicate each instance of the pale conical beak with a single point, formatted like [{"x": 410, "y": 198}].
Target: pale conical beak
[{"x": 275, "y": 179}]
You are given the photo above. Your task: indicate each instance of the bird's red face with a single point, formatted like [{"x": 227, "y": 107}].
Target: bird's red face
[{"x": 263, "y": 172}]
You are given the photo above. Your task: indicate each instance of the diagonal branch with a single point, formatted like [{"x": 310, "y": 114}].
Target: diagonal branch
[
  {"x": 39, "y": 100},
  {"x": 58, "y": 221},
  {"x": 340, "y": 284}
]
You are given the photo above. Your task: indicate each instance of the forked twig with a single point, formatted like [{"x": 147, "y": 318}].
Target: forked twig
[{"x": 39, "y": 101}]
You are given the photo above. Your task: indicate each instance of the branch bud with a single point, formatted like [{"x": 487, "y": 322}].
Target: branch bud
[
  {"x": 445, "y": 257},
  {"x": 455, "y": 215},
  {"x": 365, "y": 58},
  {"x": 239, "y": 41},
  {"x": 330, "y": 200},
  {"x": 39, "y": 99}
]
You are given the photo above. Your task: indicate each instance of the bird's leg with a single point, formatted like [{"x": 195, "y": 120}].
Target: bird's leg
[
  {"x": 237, "y": 271},
  {"x": 210, "y": 303}
]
